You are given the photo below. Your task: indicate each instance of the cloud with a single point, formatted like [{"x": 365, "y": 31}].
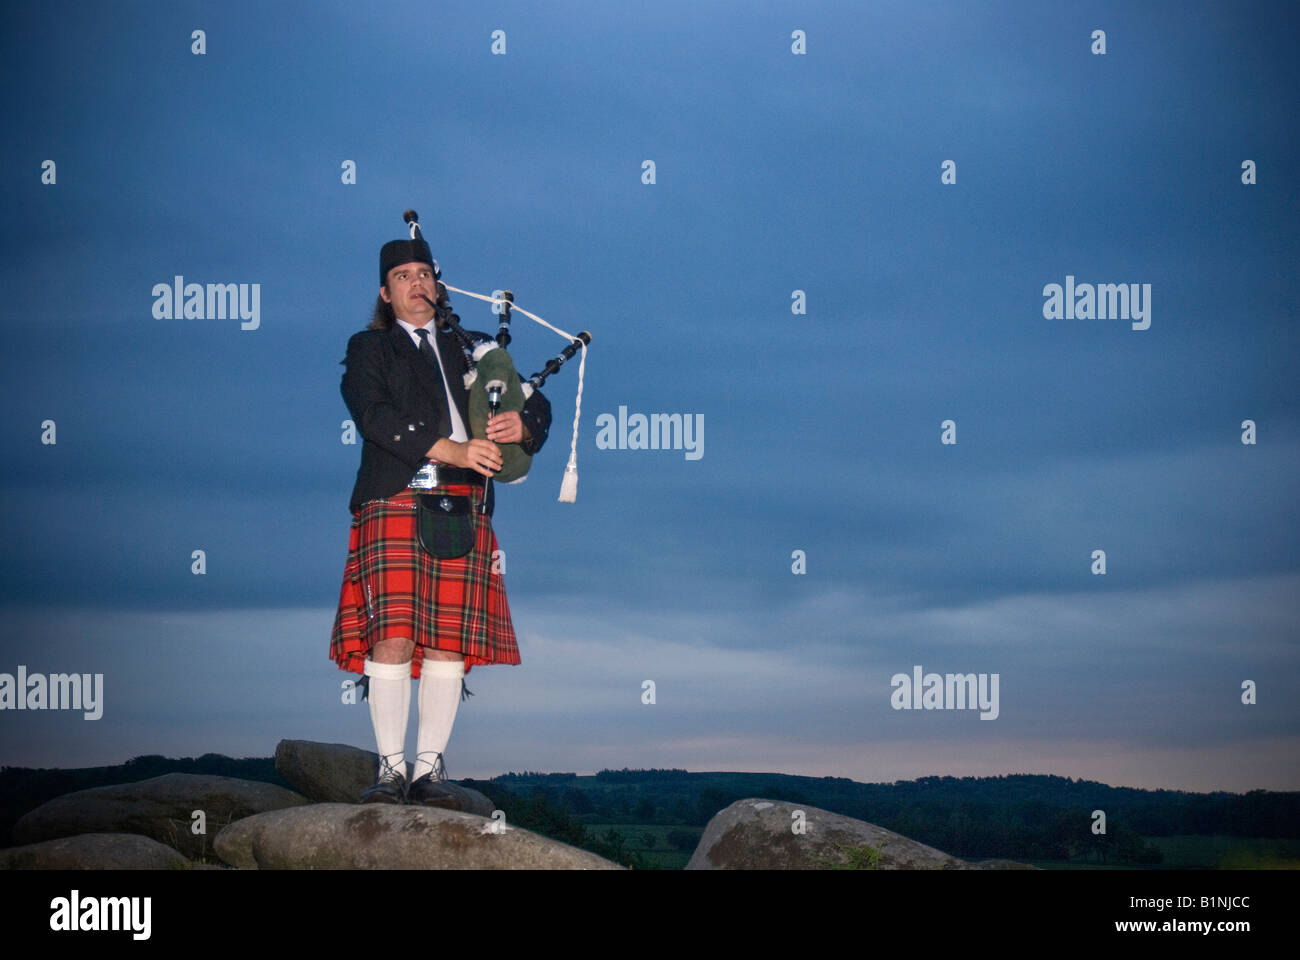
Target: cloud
[{"x": 1140, "y": 686}]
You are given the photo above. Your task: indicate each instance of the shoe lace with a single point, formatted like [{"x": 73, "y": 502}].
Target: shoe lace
[
  {"x": 389, "y": 772},
  {"x": 439, "y": 771}
]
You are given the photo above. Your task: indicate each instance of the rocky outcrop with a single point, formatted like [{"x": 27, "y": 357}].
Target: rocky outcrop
[
  {"x": 326, "y": 772},
  {"x": 338, "y": 773},
  {"x": 757, "y": 834},
  {"x": 162, "y": 808},
  {"x": 94, "y": 851},
  {"x": 338, "y": 836}
]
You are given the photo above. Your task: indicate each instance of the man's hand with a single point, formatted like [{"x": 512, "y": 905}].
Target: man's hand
[
  {"x": 481, "y": 455},
  {"x": 507, "y": 428}
]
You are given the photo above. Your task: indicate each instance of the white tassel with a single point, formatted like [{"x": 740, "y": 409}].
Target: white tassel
[{"x": 569, "y": 486}]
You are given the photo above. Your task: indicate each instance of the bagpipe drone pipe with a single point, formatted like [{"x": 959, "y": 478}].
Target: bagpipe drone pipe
[{"x": 493, "y": 383}]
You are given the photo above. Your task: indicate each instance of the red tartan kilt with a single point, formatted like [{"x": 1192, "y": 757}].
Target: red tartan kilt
[{"x": 392, "y": 588}]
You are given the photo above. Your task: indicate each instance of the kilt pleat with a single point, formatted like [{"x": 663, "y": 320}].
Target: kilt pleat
[{"x": 392, "y": 588}]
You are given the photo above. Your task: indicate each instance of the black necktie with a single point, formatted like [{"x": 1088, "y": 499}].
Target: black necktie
[{"x": 426, "y": 349}]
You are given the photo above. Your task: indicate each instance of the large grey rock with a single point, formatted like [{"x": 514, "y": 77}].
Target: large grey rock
[
  {"x": 338, "y": 773},
  {"x": 94, "y": 851},
  {"x": 161, "y": 808},
  {"x": 378, "y": 836},
  {"x": 757, "y": 834}
]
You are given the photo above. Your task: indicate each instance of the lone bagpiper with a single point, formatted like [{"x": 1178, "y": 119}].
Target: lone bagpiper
[{"x": 422, "y": 596}]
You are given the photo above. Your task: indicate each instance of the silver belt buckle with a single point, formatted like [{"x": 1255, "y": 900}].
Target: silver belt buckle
[{"x": 426, "y": 478}]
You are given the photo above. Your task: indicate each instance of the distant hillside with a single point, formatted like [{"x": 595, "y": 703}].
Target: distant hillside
[{"x": 1019, "y": 816}]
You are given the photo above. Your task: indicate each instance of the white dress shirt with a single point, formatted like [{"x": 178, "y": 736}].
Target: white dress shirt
[{"x": 458, "y": 431}]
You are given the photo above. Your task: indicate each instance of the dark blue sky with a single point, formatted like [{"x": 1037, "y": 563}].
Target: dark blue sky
[{"x": 775, "y": 172}]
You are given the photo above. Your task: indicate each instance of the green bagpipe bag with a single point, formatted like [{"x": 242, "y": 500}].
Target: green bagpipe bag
[{"x": 494, "y": 363}]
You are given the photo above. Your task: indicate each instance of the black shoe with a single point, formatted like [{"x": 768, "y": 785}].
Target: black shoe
[
  {"x": 389, "y": 788},
  {"x": 431, "y": 790}
]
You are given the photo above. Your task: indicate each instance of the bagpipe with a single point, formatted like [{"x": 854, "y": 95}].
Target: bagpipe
[{"x": 493, "y": 383}]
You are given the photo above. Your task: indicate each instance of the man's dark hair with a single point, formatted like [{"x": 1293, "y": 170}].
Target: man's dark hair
[{"x": 383, "y": 318}]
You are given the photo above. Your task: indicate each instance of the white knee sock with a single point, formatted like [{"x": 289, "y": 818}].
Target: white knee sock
[
  {"x": 390, "y": 706},
  {"x": 439, "y": 698}
]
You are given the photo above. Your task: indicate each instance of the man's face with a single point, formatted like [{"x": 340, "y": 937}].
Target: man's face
[{"x": 406, "y": 283}]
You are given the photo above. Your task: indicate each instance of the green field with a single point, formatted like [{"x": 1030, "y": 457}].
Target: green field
[
  {"x": 1204, "y": 853},
  {"x": 1227, "y": 853},
  {"x": 659, "y": 855}
]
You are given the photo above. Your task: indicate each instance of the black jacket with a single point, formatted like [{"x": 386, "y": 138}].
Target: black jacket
[{"x": 398, "y": 403}]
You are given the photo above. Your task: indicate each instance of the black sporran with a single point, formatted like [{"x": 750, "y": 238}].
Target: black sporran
[{"x": 446, "y": 525}]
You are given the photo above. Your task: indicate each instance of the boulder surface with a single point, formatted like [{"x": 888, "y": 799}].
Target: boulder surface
[
  {"x": 94, "y": 851},
  {"x": 757, "y": 834},
  {"x": 380, "y": 836},
  {"x": 162, "y": 808}
]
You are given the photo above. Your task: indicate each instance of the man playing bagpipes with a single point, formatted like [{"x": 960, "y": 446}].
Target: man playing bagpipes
[{"x": 422, "y": 594}]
